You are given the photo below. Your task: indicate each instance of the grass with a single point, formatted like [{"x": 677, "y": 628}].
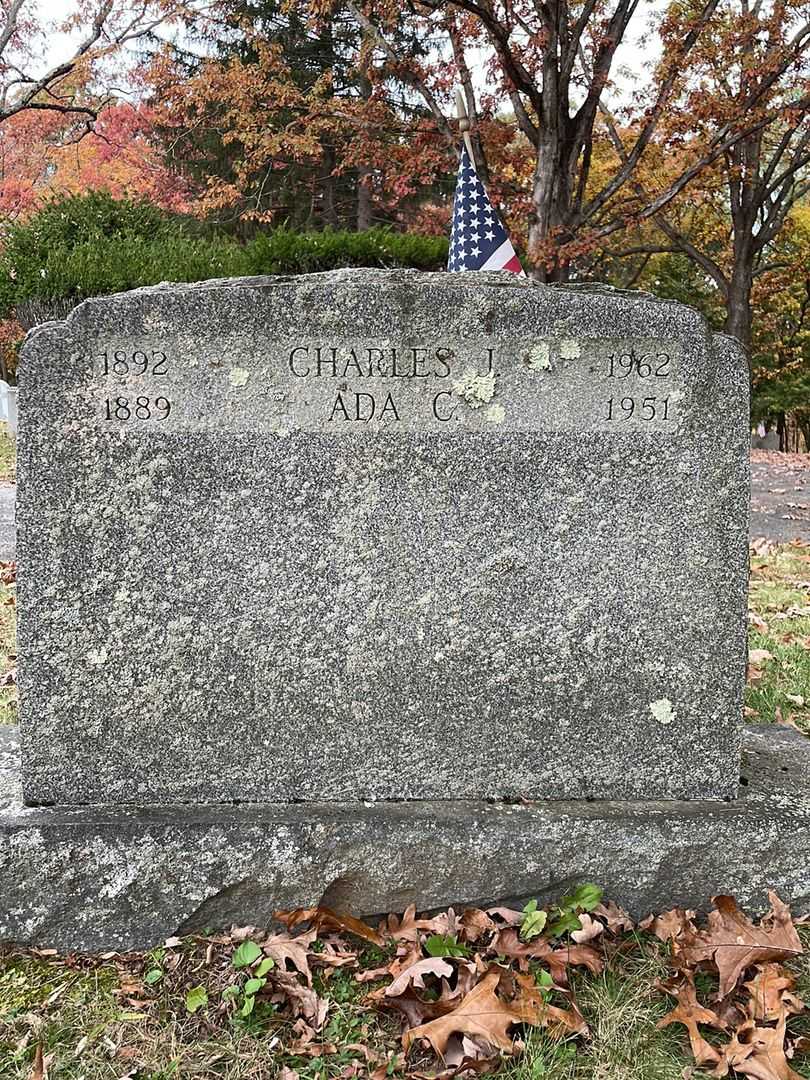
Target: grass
[
  {"x": 8, "y": 456},
  {"x": 622, "y": 1007},
  {"x": 779, "y": 600},
  {"x": 97, "y": 1020}
]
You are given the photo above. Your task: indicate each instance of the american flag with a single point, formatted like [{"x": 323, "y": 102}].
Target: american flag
[{"x": 478, "y": 240}]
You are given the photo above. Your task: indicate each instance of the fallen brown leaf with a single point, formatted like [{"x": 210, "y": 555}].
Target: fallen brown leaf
[
  {"x": 411, "y": 1006},
  {"x": 614, "y": 917},
  {"x": 759, "y": 656},
  {"x": 39, "y": 1069},
  {"x": 283, "y": 948},
  {"x": 771, "y": 992},
  {"x": 690, "y": 1013},
  {"x": 735, "y": 944},
  {"x": 475, "y": 923},
  {"x": 303, "y": 1001},
  {"x": 415, "y": 975},
  {"x": 591, "y": 928},
  {"x": 785, "y": 721},
  {"x": 321, "y": 917},
  {"x": 409, "y": 928},
  {"x": 481, "y": 1013},
  {"x": 758, "y": 1052},
  {"x": 670, "y": 924}
]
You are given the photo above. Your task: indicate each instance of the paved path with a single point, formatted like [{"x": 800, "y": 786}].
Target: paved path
[
  {"x": 780, "y": 500},
  {"x": 7, "y": 533},
  {"x": 780, "y": 496}
]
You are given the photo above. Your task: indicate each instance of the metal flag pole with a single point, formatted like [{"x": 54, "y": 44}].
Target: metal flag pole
[{"x": 464, "y": 124}]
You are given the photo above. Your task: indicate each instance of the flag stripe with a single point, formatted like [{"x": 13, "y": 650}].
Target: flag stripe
[{"x": 501, "y": 258}]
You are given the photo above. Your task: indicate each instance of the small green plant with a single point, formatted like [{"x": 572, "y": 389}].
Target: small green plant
[
  {"x": 247, "y": 953},
  {"x": 196, "y": 999},
  {"x": 563, "y": 918},
  {"x": 445, "y": 945},
  {"x": 566, "y": 913},
  {"x": 155, "y": 970},
  {"x": 545, "y": 982},
  {"x": 534, "y": 921},
  {"x": 244, "y": 995}
]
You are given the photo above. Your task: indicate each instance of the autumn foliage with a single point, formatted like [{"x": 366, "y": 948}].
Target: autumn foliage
[
  {"x": 464, "y": 993},
  {"x": 686, "y": 173}
]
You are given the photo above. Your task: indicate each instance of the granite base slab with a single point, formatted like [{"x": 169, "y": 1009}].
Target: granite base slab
[{"x": 101, "y": 877}]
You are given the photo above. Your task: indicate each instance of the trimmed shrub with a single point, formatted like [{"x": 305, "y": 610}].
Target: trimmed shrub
[
  {"x": 283, "y": 251},
  {"x": 92, "y": 245}
]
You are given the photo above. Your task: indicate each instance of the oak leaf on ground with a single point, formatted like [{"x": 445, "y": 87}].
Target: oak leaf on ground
[
  {"x": 303, "y": 1001},
  {"x": 758, "y": 1052},
  {"x": 409, "y": 928},
  {"x": 735, "y": 944},
  {"x": 481, "y": 1013},
  {"x": 772, "y": 995},
  {"x": 591, "y": 928},
  {"x": 324, "y": 918},
  {"x": 415, "y": 1009},
  {"x": 415, "y": 975},
  {"x": 283, "y": 948},
  {"x": 475, "y": 923},
  {"x": 690, "y": 1013},
  {"x": 670, "y": 924},
  {"x": 508, "y": 943},
  {"x": 614, "y": 917}
]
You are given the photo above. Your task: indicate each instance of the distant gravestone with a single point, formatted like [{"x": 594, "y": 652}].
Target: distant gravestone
[{"x": 381, "y": 536}]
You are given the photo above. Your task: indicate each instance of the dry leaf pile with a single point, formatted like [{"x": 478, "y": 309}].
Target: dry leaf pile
[
  {"x": 462, "y": 985},
  {"x": 754, "y": 998},
  {"x": 455, "y": 994}
]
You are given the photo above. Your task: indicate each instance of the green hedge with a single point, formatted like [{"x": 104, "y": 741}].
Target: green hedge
[
  {"x": 92, "y": 245},
  {"x": 283, "y": 251}
]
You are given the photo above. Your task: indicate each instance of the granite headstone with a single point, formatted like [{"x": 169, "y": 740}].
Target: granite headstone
[{"x": 378, "y": 535}]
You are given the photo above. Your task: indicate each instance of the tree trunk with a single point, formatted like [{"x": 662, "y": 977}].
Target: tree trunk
[
  {"x": 328, "y": 204},
  {"x": 738, "y": 304},
  {"x": 781, "y": 429},
  {"x": 551, "y": 200},
  {"x": 365, "y": 209}
]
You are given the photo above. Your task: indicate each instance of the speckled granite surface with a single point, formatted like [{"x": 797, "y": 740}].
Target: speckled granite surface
[
  {"x": 376, "y": 535},
  {"x": 116, "y": 877}
]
